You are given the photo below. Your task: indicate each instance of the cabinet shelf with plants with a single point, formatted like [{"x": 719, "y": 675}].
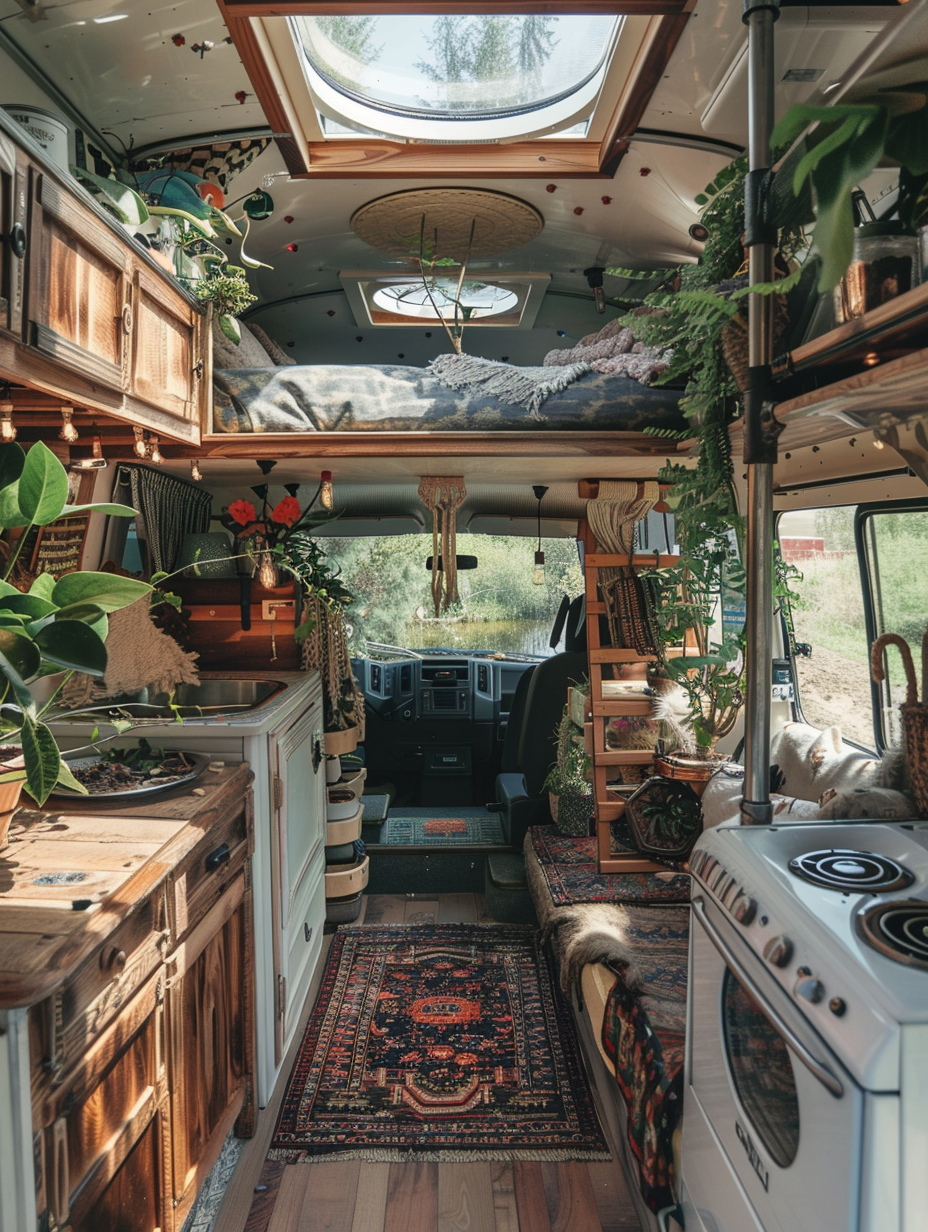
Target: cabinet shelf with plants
[{"x": 602, "y": 710}]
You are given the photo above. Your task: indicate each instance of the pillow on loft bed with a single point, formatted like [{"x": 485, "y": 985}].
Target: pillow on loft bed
[
  {"x": 356, "y": 397},
  {"x": 255, "y": 350}
]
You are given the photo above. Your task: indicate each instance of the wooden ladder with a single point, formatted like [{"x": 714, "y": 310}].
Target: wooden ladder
[{"x": 608, "y": 805}]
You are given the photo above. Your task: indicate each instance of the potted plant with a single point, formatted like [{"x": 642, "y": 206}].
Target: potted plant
[
  {"x": 570, "y": 794},
  {"x": 59, "y": 624}
]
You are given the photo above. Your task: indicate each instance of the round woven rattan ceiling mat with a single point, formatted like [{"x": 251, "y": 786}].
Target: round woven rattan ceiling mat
[{"x": 392, "y": 223}]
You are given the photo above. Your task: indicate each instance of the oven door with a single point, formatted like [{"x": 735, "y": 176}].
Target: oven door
[{"x": 785, "y": 1115}]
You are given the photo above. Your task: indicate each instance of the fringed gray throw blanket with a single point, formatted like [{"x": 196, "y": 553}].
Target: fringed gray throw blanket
[{"x": 528, "y": 387}]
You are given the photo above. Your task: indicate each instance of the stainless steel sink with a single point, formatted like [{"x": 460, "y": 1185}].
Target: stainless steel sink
[{"x": 210, "y": 699}]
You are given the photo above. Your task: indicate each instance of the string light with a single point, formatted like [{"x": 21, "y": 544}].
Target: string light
[
  {"x": 7, "y": 427},
  {"x": 154, "y": 452},
  {"x": 68, "y": 431},
  {"x": 140, "y": 449},
  {"x": 195, "y": 473},
  {"x": 326, "y": 495},
  {"x": 538, "y": 577}
]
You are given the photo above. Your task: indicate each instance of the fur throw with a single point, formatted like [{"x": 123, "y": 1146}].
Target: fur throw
[
  {"x": 721, "y": 802},
  {"x": 805, "y": 762},
  {"x": 590, "y": 933}
]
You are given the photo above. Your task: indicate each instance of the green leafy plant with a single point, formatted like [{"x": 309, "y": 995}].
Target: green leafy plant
[
  {"x": 568, "y": 775},
  {"x": 59, "y": 625},
  {"x": 848, "y": 142},
  {"x": 227, "y": 289}
]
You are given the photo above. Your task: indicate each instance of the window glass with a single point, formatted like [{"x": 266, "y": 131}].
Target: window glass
[
  {"x": 834, "y": 680},
  {"x": 896, "y": 544},
  {"x": 500, "y": 606},
  {"x": 456, "y": 65}
]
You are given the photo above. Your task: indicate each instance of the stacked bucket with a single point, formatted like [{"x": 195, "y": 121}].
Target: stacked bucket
[{"x": 346, "y": 864}]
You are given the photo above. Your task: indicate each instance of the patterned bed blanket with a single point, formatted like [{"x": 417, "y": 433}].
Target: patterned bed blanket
[{"x": 361, "y": 398}]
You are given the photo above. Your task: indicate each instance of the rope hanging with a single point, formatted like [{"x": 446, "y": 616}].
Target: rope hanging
[
  {"x": 614, "y": 512},
  {"x": 443, "y": 494}
]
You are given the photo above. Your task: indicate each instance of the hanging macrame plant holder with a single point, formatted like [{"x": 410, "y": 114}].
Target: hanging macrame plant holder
[
  {"x": 443, "y": 495},
  {"x": 325, "y": 650}
]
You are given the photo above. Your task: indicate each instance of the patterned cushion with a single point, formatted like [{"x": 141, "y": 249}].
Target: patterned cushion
[{"x": 809, "y": 762}]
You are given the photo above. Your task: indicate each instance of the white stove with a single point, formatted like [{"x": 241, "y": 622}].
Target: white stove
[{"x": 807, "y": 1069}]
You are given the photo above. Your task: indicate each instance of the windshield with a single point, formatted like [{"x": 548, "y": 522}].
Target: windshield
[{"x": 501, "y": 607}]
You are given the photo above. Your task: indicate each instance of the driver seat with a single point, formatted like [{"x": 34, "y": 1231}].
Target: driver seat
[{"x": 520, "y": 790}]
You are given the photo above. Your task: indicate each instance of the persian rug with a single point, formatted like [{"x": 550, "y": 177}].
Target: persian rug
[
  {"x": 466, "y": 827},
  {"x": 438, "y": 1042},
  {"x": 569, "y": 874}
]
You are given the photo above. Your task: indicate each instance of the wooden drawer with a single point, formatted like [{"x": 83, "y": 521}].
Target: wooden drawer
[
  {"x": 73, "y": 1019},
  {"x": 201, "y": 879},
  {"x": 94, "y": 1120}
]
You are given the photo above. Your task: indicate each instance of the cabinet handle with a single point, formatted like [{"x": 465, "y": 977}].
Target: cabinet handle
[
  {"x": 114, "y": 961},
  {"x": 219, "y": 856},
  {"x": 307, "y": 932},
  {"x": 127, "y": 319},
  {"x": 18, "y": 240}
]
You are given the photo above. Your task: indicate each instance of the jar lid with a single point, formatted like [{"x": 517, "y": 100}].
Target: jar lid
[{"x": 871, "y": 230}]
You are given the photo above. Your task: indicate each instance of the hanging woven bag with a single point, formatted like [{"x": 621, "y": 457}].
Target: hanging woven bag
[{"x": 913, "y": 713}]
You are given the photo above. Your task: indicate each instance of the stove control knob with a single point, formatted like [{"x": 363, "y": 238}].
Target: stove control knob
[
  {"x": 837, "y": 1005},
  {"x": 810, "y": 989},
  {"x": 778, "y": 951},
  {"x": 743, "y": 908}
]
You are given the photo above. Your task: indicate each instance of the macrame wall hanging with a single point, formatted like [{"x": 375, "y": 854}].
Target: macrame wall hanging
[
  {"x": 443, "y": 494},
  {"x": 326, "y": 651},
  {"x": 629, "y": 605}
]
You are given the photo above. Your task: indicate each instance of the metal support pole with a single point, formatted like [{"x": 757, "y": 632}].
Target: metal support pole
[{"x": 759, "y": 439}]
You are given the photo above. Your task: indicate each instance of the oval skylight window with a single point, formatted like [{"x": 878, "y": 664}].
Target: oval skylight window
[
  {"x": 493, "y": 75},
  {"x": 476, "y": 300}
]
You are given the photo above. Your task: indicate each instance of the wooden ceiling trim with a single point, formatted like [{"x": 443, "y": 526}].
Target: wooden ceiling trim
[
  {"x": 316, "y": 8},
  {"x": 378, "y": 159},
  {"x": 542, "y": 444},
  {"x": 644, "y": 78}
]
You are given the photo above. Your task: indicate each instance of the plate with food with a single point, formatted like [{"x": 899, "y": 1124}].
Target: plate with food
[{"x": 126, "y": 773}]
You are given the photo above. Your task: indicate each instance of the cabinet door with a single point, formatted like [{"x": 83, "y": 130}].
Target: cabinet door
[
  {"x": 79, "y": 308},
  {"x": 167, "y": 370},
  {"x": 14, "y": 202},
  {"x": 210, "y": 1008}
]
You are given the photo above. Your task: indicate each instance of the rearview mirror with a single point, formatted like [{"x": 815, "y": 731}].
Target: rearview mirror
[{"x": 462, "y": 562}]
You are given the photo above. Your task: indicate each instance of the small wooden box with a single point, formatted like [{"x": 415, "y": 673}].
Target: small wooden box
[{"x": 215, "y": 610}]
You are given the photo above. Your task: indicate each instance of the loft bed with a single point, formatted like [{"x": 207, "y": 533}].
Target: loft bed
[{"x": 259, "y": 391}]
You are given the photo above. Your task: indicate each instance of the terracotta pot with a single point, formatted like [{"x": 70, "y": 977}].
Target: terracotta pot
[
  {"x": 9, "y": 802},
  {"x": 689, "y": 768}
]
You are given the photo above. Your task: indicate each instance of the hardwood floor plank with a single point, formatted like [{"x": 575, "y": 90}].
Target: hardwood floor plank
[
  {"x": 531, "y": 1203},
  {"x": 457, "y": 909},
  {"x": 265, "y": 1197},
  {"x": 504, "y": 1198},
  {"x": 412, "y": 1198},
  {"x": 421, "y": 911},
  {"x": 316, "y": 1198},
  {"x": 570, "y": 1200},
  {"x": 370, "y": 1211},
  {"x": 465, "y": 1198},
  {"x": 613, "y": 1201},
  {"x": 385, "y": 909}
]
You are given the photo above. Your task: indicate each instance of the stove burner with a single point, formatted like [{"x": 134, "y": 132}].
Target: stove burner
[
  {"x": 850, "y": 870},
  {"x": 899, "y": 930}
]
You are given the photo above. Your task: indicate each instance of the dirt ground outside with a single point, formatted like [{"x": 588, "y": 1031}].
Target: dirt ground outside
[{"x": 835, "y": 689}]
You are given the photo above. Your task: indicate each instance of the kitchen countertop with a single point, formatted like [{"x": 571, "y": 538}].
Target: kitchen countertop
[{"x": 70, "y": 875}]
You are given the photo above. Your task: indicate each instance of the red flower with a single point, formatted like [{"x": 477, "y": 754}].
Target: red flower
[
  {"x": 242, "y": 511},
  {"x": 287, "y": 512}
]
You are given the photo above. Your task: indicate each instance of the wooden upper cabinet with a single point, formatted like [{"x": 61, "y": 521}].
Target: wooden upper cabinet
[
  {"x": 167, "y": 368},
  {"x": 80, "y": 306}
]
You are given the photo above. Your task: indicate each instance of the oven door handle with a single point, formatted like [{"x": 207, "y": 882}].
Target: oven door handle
[{"x": 812, "y": 1064}]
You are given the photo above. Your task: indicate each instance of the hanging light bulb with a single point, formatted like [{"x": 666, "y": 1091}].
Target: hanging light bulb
[
  {"x": 68, "y": 431},
  {"x": 326, "y": 495},
  {"x": 538, "y": 577},
  {"x": 594, "y": 280},
  {"x": 155, "y": 452},
  {"x": 267, "y": 574},
  {"x": 140, "y": 449},
  {"x": 195, "y": 473},
  {"x": 7, "y": 427}
]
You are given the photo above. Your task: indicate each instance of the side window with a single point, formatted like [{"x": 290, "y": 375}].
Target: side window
[
  {"x": 833, "y": 678},
  {"x": 895, "y": 541}
]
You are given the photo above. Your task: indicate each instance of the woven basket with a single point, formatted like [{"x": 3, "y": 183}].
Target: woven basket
[
  {"x": 735, "y": 341},
  {"x": 913, "y": 713}
]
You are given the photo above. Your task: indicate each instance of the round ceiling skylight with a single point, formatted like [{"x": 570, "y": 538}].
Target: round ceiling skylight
[{"x": 476, "y": 299}]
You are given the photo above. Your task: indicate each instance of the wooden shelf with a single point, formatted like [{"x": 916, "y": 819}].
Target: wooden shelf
[
  {"x": 610, "y": 654},
  {"x": 608, "y": 560}
]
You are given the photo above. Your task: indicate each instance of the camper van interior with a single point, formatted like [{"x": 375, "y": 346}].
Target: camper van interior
[{"x": 463, "y": 523}]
